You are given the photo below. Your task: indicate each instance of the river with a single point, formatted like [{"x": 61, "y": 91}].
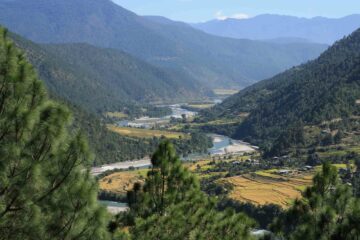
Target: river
[
  {"x": 147, "y": 122},
  {"x": 115, "y": 207},
  {"x": 222, "y": 145}
]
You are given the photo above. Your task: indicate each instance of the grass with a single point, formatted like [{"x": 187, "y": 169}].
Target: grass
[
  {"x": 225, "y": 92},
  {"x": 118, "y": 115},
  {"x": 146, "y": 133}
]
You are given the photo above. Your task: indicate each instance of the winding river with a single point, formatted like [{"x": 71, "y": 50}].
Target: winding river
[{"x": 222, "y": 145}]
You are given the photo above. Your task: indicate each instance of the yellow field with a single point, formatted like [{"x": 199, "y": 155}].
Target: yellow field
[
  {"x": 266, "y": 187},
  {"x": 203, "y": 165},
  {"x": 146, "y": 133},
  {"x": 119, "y": 115},
  {"x": 220, "y": 91},
  {"x": 121, "y": 182},
  {"x": 202, "y": 106}
]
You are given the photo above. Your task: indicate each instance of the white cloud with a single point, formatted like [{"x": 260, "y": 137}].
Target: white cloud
[
  {"x": 240, "y": 16},
  {"x": 219, "y": 15}
]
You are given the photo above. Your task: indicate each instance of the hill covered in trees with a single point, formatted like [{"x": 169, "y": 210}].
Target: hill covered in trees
[
  {"x": 107, "y": 80},
  {"x": 101, "y": 80},
  {"x": 192, "y": 54},
  {"x": 325, "y": 89}
]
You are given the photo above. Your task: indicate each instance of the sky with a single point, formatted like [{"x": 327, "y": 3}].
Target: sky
[{"x": 203, "y": 10}]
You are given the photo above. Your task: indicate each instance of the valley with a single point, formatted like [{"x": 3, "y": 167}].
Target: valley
[{"x": 116, "y": 125}]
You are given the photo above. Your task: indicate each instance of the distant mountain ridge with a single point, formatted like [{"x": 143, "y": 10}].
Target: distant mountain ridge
[
  {"x": 268, "y": 26},
  {"x": 209, "y": 60}
]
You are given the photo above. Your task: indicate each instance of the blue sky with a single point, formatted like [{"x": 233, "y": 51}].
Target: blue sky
[{"x": 202, "y": 10}]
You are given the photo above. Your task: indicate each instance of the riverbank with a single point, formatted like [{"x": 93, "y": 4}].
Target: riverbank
[
  {"x": 222, "y": 145},
  {"x": 115, "y": 207},
  {"x": 146, "y": 162}
]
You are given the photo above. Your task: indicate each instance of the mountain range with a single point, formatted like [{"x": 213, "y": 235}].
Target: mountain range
[
  {"x": 100, "y": 80},
  {"x": 195, "y": 56},
  {"x": 324, "y": 90},
  {"x": 270, "y": 27}
]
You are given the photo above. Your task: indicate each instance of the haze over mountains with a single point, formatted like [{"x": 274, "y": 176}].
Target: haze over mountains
[
  {"x": 267, "y": 27},
  {"x": 195, "y": 56}
]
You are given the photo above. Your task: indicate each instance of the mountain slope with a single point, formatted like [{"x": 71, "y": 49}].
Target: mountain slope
[
  {"x": 265, "y": 27},
  {"x": 212, "y": 61},
  {"x": 103, "y": 79},
  {"x": 325, "y": 89}
]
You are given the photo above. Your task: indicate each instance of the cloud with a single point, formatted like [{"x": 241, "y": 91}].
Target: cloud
[{"x": 219, "y": 15}]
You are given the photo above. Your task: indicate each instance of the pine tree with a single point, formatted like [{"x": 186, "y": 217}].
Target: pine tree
[
  {"x": 167, "y": 182},
  {"x": 195, "y": 218},
  {"x": 46, "y": 191},
  {"x": 327, "y": 211},
  {"x": 170, "y": 205}
]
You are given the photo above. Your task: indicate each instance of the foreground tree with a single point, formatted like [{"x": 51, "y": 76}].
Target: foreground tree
[
  {"x": 168, "y": 182},
  {"x": 327, "y": 210},
  {"x": 170, "y": 205},
  {"x": 46, "y": 192}
]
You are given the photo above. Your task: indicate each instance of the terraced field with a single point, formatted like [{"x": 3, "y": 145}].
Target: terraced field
[
  {"x": 267, "y": 187},
  {"x": 146, "y": 133}
]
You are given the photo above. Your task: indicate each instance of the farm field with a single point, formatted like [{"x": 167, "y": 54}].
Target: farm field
[
  {"x": 146, "y": 133},
  {"x": 118, "y": 115},
  {"x": 225, "y": 92},
  {"x": 260, "y": 188},
  {"x": 121, "y": 182},
  {"x": 201, "y": 106},
  {"x": 267, "y": 187}
]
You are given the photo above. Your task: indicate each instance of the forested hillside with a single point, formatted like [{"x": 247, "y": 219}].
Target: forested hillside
[
  {"x": 322, "y": 90},
  {"x": 191, "y": 54},
  {"x": 106, "y": 80},
  {"x": 103, "y": 80}
]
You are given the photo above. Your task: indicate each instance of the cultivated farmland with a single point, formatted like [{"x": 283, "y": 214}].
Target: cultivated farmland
[
  {"x": 268, "y": 187},
  {"x": 121, "y": 182},
  {"x": 146, "y": 133}
]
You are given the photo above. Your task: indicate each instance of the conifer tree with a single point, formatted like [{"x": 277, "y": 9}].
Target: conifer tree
[
  {"x": 170, "y": 205},
  {"x": 327, "y": 211},
  {"x": 46, "y": 191},
  {"x": 167, "y": 182}
]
